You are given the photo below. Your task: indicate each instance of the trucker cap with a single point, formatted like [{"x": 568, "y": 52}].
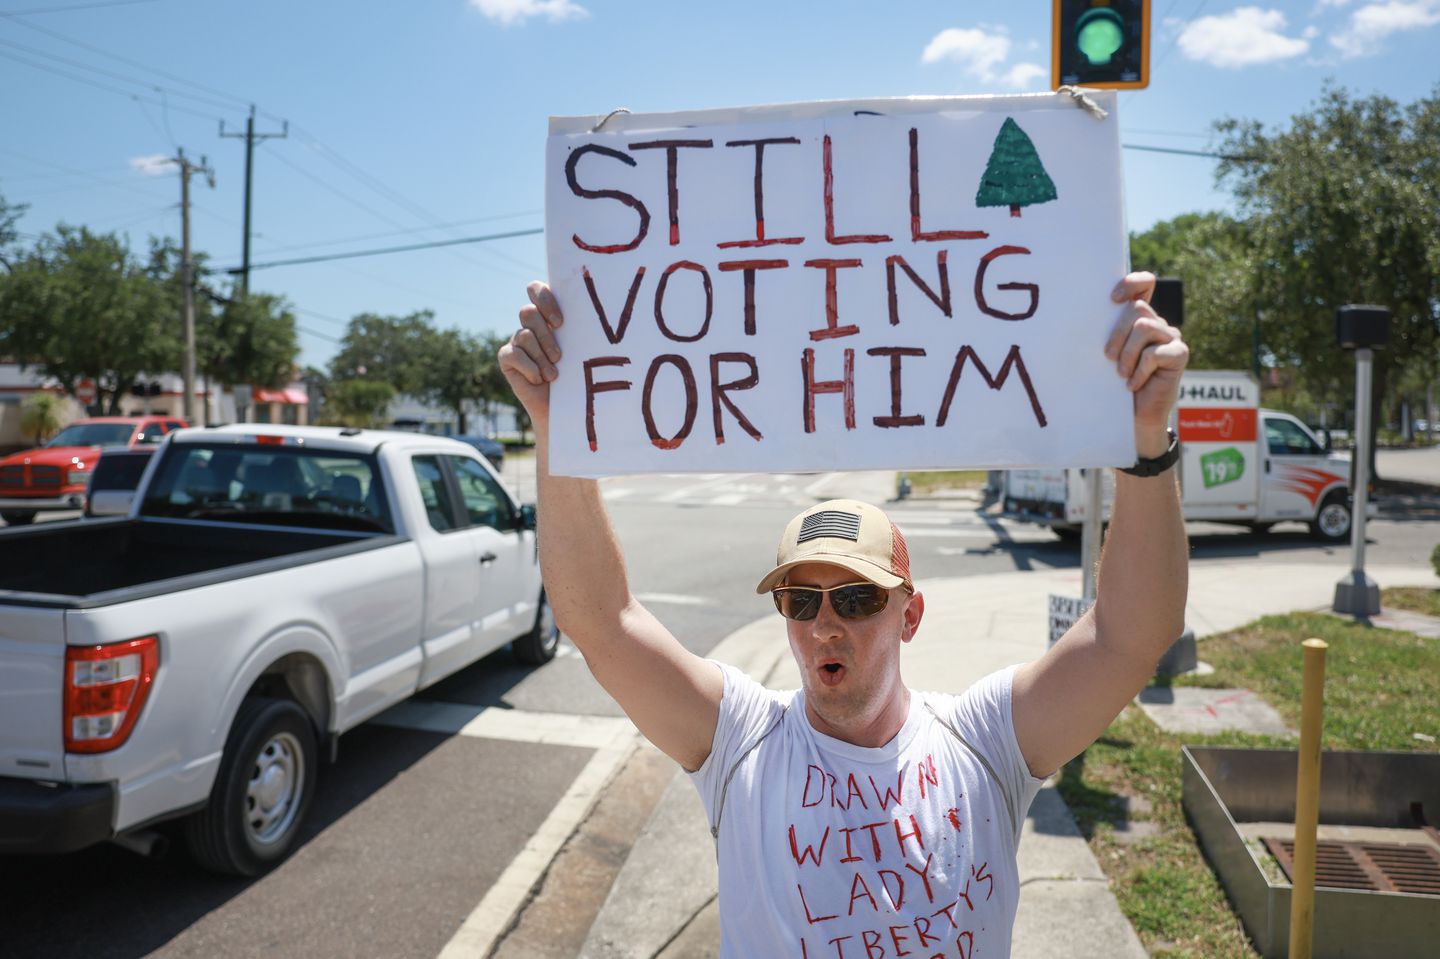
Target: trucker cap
[{"x": 846, "y": 533}]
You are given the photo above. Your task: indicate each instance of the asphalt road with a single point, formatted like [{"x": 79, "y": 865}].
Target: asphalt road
[{"x": 433, "y": 813}]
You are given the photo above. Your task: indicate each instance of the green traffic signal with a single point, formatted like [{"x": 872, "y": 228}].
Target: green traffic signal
[
  {"x": 1100, "y": 43},
  {"x": 1099, "y": 33}
]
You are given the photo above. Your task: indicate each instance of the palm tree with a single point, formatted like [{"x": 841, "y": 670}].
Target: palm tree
[{"x": 41, "y": 415}]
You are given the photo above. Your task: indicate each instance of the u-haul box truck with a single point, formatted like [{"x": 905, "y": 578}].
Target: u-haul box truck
[{"x": 1238, "y": 464}]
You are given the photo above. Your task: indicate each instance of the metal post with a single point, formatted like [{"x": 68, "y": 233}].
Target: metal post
[
  {"x": 250, "y": 137},
  {"x": 1307, "y": 799},
  {"x": 187, "y": 276},
  {"x": 1364, "y": 364},
  {"x": 249, "y": 165},
  {"x": 188, "y": 281},
  {"x": 1090, "y": 531},
  {"x": 1357, "y": 594}
]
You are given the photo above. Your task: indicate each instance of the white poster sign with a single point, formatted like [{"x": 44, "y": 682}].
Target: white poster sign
[
  {"x": 1065, "y": 611},
  {"x": 913, "y": 283}
]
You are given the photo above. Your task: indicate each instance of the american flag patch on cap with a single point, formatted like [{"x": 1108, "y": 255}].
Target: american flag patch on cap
[{"x": 830, "y": 523}]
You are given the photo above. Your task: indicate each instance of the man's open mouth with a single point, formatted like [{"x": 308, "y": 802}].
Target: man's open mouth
[{"x": 832, "y": 673}]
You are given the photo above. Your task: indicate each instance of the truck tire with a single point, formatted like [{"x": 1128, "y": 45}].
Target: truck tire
[
  {"x": 261, "y": 793},
  {"x": 1332, "y": 520},
  {"x": 537, "y": 647},
  {"x": 23, "y": 517}
]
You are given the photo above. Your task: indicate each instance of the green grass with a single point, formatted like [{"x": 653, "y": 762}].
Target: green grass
[
  {"x": 930, "y": 481},
  {"x": 1381, "y": 687},
  {"x": 1416, "y": 599}
]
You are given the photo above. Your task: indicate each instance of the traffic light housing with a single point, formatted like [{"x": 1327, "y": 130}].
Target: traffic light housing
[{"x": 1101, "y": 43}]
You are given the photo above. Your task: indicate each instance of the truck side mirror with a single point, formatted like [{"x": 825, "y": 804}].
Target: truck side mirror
[
  {"x": 527, "y": 516},
  {"x": 1325, "y": 442}
]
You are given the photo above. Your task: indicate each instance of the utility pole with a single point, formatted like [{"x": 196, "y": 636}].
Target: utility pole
[
  {"x": 187, "y": 272},
  {"x": 250, "y": 136}
]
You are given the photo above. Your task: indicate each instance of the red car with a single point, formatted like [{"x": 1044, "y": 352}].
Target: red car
[{"x": 54, "y": 476}]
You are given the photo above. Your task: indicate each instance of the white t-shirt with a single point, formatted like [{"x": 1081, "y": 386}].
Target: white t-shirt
[{"x": 834, "y": 851}]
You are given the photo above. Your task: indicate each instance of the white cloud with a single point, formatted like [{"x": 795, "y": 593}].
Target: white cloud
[
  {"x": 1020, "y": 75},
  {"x": 981, "y": 54},
  {"x": 1371, "y": 24},
  {"x": 511, "y": 12},
  {"x": 1243, "y": 37},
  {"x": 156, "y": 164}
]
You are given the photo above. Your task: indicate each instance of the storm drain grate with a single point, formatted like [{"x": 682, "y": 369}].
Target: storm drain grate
[{"x": 1372, "y": 866}]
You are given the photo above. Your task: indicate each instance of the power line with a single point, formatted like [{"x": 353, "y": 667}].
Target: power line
[
  {"x": 391, "y": 249},
  {"x": 147, "y": 84},
  {"x": 120, "y": 184},
  {"x": 1188, "y": 153},
  {"x": 103, "y": 86},
  {"x": 53, "y": 176},
  {"x": 334, "y": 156},
  {"x": 317, "y": 333},
  {"x": 414, "y": 229},
  {"x": 394, "y": 196},
  {"x": 371, "y": 210},
  {"x": 73, "y": 6},
  {"x": 128, "y": 62},
  {"x": 326, "y": 184},
  {"x": 1170, "y": 133},
  {"x": 321, "y": 316}
]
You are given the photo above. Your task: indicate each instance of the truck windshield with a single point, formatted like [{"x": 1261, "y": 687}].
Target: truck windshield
[
  {"x": 279, "y": 485},
  {"x": 94, "y": 434}
]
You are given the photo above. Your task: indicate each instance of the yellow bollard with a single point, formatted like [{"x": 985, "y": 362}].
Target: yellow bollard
[{"x": 1307, "y": 800}]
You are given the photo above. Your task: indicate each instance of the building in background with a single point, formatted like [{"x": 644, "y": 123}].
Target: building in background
[{"x": 158, "y": 395}]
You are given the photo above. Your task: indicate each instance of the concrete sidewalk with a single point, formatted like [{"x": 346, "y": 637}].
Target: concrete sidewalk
[{"x": 662, "y": 903}]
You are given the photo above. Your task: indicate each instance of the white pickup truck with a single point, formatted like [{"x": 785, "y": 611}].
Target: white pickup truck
[{"x": 270, "y": 588}]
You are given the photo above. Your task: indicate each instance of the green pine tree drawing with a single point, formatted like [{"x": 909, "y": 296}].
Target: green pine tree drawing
[{"x": 1014, "y": 177}]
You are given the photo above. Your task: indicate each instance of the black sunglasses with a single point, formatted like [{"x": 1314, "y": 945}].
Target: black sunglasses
[{"x": 850, "y": 601}]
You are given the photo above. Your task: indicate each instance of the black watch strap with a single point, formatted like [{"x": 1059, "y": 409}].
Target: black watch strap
[{"x": 1159, "y": 464}]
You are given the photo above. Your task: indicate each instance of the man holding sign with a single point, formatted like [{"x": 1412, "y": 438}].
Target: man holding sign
[{"x": 854, "y": 817}]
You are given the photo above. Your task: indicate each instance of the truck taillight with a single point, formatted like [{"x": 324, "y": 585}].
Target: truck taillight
[{"x": 105, "y": 690}]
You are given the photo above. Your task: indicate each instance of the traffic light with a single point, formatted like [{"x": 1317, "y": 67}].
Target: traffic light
[{"x": 1101, "y": 43}]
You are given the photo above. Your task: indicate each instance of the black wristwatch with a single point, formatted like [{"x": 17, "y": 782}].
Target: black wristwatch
[{"x": 1156, "y": 465}]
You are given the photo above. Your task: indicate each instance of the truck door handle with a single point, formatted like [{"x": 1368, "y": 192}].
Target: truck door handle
[
  {"x": 1267, "y": 466},
  {"x": 487, "y": 558}
]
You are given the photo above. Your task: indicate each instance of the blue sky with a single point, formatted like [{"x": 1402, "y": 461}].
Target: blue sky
[{"x": 411, "y": 122}]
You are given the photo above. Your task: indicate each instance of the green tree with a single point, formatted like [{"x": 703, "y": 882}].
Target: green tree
[
  {"x": 251, "y": 340},
  {"x": 42, "y": 414},
  {"x": 80, "y": 306},
  {"x": 494, "y": 389},
  {"x": 392, "y": 349},
  {"x": 449, "y": 372},
  {"x": 1212, "y": 253},
  {"x": 1344, "y": 207},
  {"x": 1014, "y": 175},
  {"x": 361, "y": 403},
  {"x": 10, "y": 214}
]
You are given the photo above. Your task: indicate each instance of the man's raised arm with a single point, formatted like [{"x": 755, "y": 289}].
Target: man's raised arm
[
  {"x": 1065, "y": 700},
  {"x": 672, "y": 695}
]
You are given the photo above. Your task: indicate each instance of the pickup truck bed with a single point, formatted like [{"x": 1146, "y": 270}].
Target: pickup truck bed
[
  {"x": 270, "y": 588},
  {"x": 74, "y": 564}
]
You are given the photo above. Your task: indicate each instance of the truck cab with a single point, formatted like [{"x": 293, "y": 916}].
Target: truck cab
[{"x": 55, "y": 476}]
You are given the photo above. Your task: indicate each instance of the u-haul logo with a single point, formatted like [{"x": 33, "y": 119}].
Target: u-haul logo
[
  {"x": 1216, "y": 424},
  {"x": 1211, "y": 393}
]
